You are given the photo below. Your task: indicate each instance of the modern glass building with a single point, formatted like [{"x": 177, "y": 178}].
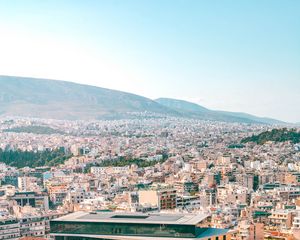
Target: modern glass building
[{"x": 100, "y": 225}]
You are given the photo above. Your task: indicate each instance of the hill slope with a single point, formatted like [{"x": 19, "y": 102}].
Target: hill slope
[
  {"x": 275, "y": 135},
  {"x": 193, "y": 110},
  {"x": 42, "y": 98}
]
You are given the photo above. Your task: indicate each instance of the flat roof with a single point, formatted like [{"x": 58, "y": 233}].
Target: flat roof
[{"x": 141, "y": 218}]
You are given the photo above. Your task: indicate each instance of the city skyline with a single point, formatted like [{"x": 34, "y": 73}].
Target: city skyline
[
  {"x": 229, "y": 56},
  {"x": 130, "y": 119}
]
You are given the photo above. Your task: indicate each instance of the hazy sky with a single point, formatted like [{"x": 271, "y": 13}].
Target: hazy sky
[{"x": 227, "y": 54}]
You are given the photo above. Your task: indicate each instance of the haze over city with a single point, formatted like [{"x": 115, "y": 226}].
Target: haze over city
[{"x": 239, "y": 56}]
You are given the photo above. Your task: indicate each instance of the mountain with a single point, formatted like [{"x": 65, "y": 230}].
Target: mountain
[
  {"x": 194, "y": 110},
  {"x": 253, "y": 118},
  {"x": 182, "y": 106},
  {"x": 30, "y": 97},
  {"x": 43, "y": 98}
]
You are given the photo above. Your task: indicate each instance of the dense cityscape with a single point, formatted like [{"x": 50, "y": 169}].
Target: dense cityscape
[
  {"x": 149, "y": 120},
  {"x": 146, "y": 166}
]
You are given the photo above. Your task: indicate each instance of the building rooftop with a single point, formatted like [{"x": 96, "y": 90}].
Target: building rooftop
[{"x": 115, "y": 217}]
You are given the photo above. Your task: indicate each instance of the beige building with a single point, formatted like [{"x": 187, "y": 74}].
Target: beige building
[
  {"x": 163, "y": 198},
  {"x": 250, "y": 231},
  {"x": 282, "y": 218}
]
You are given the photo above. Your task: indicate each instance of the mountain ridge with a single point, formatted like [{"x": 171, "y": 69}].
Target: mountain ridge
[
  {"x": 47, "y": 98},
  {"x": 199, "y": 111},
  {"x": 33, "y": 97}
]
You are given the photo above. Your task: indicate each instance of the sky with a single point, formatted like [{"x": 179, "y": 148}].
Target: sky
[{"x": 229, "y": 55}]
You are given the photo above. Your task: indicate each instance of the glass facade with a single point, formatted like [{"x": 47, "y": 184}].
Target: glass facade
[{"x": 126, "y": 229}]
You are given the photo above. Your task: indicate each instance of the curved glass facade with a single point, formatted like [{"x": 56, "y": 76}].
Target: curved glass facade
[{"x": 126, "y": 229}]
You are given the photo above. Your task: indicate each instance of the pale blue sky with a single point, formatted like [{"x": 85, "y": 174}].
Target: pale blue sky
[{"x": 228, "y": 55}]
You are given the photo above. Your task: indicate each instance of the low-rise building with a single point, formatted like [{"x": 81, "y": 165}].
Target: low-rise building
[{"x": 82, "y": 225}]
